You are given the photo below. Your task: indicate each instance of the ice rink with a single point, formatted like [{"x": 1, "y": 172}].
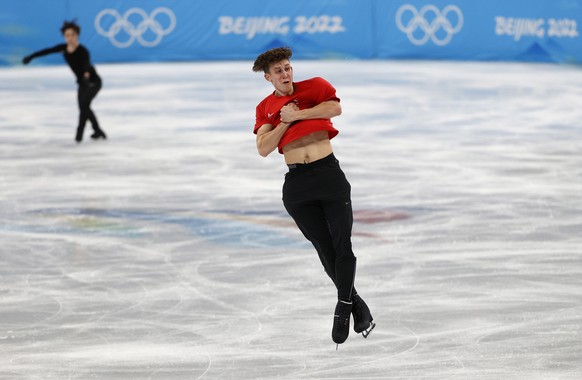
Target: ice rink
[{"x": 165, "y": 252}]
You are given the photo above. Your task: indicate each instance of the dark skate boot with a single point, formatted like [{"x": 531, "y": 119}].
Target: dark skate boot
[
  {"x": 99, "y": 135},
  {"x": 79, "y": 134},
  {"x": 341, "y": 322},
  {"x": 363, "y": 321}
]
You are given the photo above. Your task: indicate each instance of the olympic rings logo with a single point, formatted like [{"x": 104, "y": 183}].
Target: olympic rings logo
[
  {"x": 134, "y": 32},
  {"x": 430, "y": 30}
]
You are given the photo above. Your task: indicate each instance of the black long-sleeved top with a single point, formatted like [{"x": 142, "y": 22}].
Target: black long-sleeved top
[{"x": 79, "y": 60}]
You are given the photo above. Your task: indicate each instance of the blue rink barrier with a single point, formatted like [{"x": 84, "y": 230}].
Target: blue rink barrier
[
  {"x": 164, "y": 30},
  {"x": 533, "y": 30}
]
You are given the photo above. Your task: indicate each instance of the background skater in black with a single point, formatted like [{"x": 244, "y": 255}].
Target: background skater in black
[
  {"x": 77, "y": 56},
  {"x": 296, "y": 120}
]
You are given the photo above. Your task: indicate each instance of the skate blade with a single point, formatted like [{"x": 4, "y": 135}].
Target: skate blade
[{"x": 367, "y": 331}]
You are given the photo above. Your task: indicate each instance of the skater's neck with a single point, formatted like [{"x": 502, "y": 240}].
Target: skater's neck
[{"x": 72, "y": 46}]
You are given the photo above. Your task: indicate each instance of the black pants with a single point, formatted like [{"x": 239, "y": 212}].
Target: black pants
[
  {"x": 317, "y": 196},
  {"x": 85, "y": 95}
]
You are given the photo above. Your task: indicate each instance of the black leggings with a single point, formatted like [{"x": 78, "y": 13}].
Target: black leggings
[
  {"x": 317, "y": 196},
  {"x": 85, "y": 95}
]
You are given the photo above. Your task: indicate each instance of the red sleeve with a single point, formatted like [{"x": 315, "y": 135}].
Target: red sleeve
[
  {"x": 326, "y": 90},
  {"x": 260, "y": 117}
]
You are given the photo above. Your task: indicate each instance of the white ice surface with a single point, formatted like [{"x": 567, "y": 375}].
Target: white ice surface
[{"x": 165, "y": 252}]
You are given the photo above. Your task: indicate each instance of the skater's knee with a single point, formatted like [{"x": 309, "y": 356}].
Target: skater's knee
[{"x": 346, "y": 259}]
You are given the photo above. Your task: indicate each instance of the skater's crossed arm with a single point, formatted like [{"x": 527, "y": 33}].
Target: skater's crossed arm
[
  {"x": 268, "y": 137},
  {"x": 324, "y": 110}
]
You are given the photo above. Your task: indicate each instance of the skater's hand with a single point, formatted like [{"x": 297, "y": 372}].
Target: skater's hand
[
  {"x": 289, "y": 113},
  {"x": 86, "y": 82},
  {"x": 26, "y": 60}
]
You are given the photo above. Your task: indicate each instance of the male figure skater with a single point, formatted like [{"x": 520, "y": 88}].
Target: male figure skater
[
  {"x": 296, "y": 120},
  {"x": 77, "y": 56}
]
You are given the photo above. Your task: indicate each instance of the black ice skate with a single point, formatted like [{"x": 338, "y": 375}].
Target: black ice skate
[
  {"x": 341, "y": 322},
  {"x": 98, "y": 135},
  {"x": 363, "y": 321}
]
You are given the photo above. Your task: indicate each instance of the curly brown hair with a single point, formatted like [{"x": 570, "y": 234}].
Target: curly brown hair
[{"x": 266, "y": 59}]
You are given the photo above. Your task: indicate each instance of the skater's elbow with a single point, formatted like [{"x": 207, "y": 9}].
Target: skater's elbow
[
  {"x": 264, "y": 151},
  {"x": 336, "y": 109},
  {"x": 265, "y": 145}
]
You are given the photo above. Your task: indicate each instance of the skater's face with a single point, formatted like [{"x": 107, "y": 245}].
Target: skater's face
[
  {"x": 71, "y": 37},
  {"x": 281, "y": 76}
]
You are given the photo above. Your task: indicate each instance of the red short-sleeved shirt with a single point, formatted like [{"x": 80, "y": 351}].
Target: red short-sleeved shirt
[{"x": 307, "y": 94}]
